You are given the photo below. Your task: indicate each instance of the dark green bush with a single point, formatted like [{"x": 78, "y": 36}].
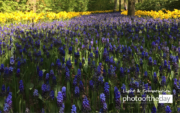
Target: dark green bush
[{"x": 158, "y": 5}]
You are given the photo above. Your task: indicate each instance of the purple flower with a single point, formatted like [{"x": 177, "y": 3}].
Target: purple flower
[
  {"x": 70, "y": 50},
  {"x": 52, "y": 95},
  {"x": 54, "y": 79},
  {"x": 150, "y": 61},
  {"x": 68, "y": 64},
  {"x": 91, "y": 84},
  {"x": 40, "y": 74},
  {"x": 64, "y": 92},
  {"x": 62, "y": 108},
  {"x": 155, "y": 77},
  {"x": 76, "y": 91},
  {"x": 78, "y": 74},
  {"x": 67, "y": 76},
  {"x": 123, "y": 88},
  {"x": 146, "y": 86},
  {"x": 105, "y": 107},
  {"x": 59, "y": 99},
  {"x": 51, "y": 73},
  {"x": 12, "y": 61},
  {"x": 86, "y": 105},
  {"x": 47, "y": 76},
  {"x": 145, "y": 73},
  {"x": 3, "y": 88},
  {"x": 81, "y": 86},
  {"x": 100, "y": 79},
  {"x": 35, "y": 93},
  {"x": 102, "y": 98},
  {"x": 73, "y": 110},
  {"x": 75, "y": 81},
  {"x": 178, "y": 109},
  {"x": 153, "y": 109},
  {"x": 7, "y": 90},
  {"x": 168, "y": 109},
  {"x": 21, "y": 86},
  {"x": 117, "y": 98},
  {"x": 163, "y": 82}
]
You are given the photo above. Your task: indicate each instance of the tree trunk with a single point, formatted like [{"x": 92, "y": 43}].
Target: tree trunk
[
  {"x": 33, "y": 2},
  {"x": 124, "y": 2},
  {"x": 131, "y": 7},
  {"x": 115, "y": 5},
  {"x": 119, "y": 5},
  {"x": 139, "y": 1},
  {"x": 34, "y": 5}
]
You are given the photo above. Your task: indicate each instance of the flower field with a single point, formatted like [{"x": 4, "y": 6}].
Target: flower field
[
  {"x": 16, "y": 17},
  {"x": 86, "y": 63}
]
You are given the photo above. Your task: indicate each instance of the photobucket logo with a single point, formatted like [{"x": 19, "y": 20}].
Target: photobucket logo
[{"x": 161, "y": 98}]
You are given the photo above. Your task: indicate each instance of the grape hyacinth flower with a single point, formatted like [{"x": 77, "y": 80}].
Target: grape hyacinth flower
[
  {"x": 59, "y": 99},
  {"x": 100, "y": 80},
  {"x": 106, "y": 89},
  {"x": 155, "y": 77},
  {"x": 102, "y": 98},
  {"x": 153, "y": 109},
  {"x": 178, "y": 109},
  {"x": 73, "y": 110},
  {"x": 3, "y": 88},
  {"x": 85, "y": 105},
  {"x": 145, "y": 74},
  {"x": 81, "y": 86},
  {"x": 123, "y": 89},
  {"x": 64, "y": 92},
  {"x": 52, "y": 95},
  {"x": 67, "y": 75},
  {"x": 8, "y": 103},
  {"x": 163, "y": 82},
  {"x": 146, "y": 86},
  {"x": 62, "y": 108},
  {"x": 91, "y": 84},
  {"x": 105, "y": 107},
  {"x": 131, "y": 93},
  {"x": 168, "y": 109},
  {"x": 21, "y": 86},
  {"x": 117, "y": 98},
  {"x": 43, "y": 88},
  {"x": 35, "y": 93},
  {"x": 40, "y": 74},
  {"x": 75, "y": 81},
  {"x": 76, "y": 91}
]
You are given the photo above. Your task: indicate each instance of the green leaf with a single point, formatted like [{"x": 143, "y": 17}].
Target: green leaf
[
  {"x": 155, "y": 102},
  {"x": 79, "y": 104},
  {"x": 20, "y": 105},
  {"x": 40, "y": 97},
  {"x": 18, "y": 91},
  {"x": 43, "y": 70}
]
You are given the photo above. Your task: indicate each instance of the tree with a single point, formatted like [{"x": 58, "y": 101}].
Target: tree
[
  {"x": 115, "y": 5},
  {"x": 131, "y": 7},
  {"x": 119, "y": 5},
  {"x": 124, "y": 2}
]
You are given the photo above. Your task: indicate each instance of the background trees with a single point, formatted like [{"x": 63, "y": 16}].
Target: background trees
[{"x": 85, "y": 5}]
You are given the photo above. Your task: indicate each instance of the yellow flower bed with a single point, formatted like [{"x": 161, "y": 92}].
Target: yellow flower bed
[
  {"x": 36, "y": 17},
  {"x": 157, "y": 14}
]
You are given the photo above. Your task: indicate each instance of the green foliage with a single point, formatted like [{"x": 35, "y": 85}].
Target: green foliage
[
  {"x": 42, "y": 8},
  {"x": 156, "y": 5},
  {"x": 57, "y": 5},
  {"x": 95, "y": 5},
  {"x": 171, "y": 5},
  {"x": 8, "y": 6}
]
